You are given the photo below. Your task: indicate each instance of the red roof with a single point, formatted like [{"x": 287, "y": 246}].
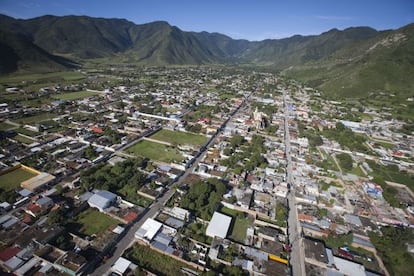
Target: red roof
[
  {"x": 8, "y": 253},
  {"x": 34, "y": 208},
  {"x": 27, "y": 219},
  {"x": 97, "y": 130},
  {"x": 131, "y": 216},
  {"x": 305, "y": 217}
]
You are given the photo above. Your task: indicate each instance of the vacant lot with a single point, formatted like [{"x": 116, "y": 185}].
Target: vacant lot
[
  {"x": 92, "y": 222},
  {"x": 239, "y": 225},
  {"x": 5, "y": 126},
  {"x": 37, "y": 118},
  {"x": 74, "y": 95},
  {"x": 155, "y": 262},
  {"x": 27, "y": 132},
  {"x": 68, "y": 76},
  {"x": 179, "y": 138},
  {"x": 155, "y": 151},
  {"x": 23, "y": 139},
  {"x": 12, "y": 180}
]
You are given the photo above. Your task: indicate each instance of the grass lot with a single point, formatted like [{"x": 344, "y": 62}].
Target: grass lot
[
  {"x": 239, "y": 224},
  {"x": 385, "y": 145},
  {"x": 37, "y": 118},
  {"x": 238, "y": 232},
  {"x": 155, "y": 151},
  {"x": 74, "y": 95},
  {"x": 68, "y": 76},
  {"x": 27, "y": 132},
  {"x": 23, "y": 139},
  {"x": 12, "y": 180},
  {"x": 37, "y": 102},
  {"x": 92, "y": 222},
  {"x": 357, "y": 171},
  {"x": 153, "y": 261},
  {"x": 179, "y": 138},
  {"x": 5, "y": 126}
]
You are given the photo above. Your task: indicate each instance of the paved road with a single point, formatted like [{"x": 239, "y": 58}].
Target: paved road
[
  {"x": 127, "y": 240},
  {"x": 297, "y": 256}
]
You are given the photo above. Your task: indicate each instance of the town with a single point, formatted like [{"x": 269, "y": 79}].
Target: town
[{"x": 199, "y": 170}]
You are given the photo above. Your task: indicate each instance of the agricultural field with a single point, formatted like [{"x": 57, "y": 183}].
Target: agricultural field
[
  {"x": 37, "y": 118},
  {"x": 5, "y": 126},
  {"x": 239, "y": 225},
  {"x": 23, "y": 139},
  {"x": 12, "y": 180},
  {"x": 154, "y": 261},
  {"x": 71, "y": 96},
  {"x": 27, "y": 132},
  {"x": 179, "y": 138},
  {"x": 92, "y": 222},
  {"x": 155, "y": 151},
  {"x": 17, "y": 79}
]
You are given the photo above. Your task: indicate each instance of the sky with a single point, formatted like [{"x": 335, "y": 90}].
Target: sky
[{"x": 246, "y": 19}]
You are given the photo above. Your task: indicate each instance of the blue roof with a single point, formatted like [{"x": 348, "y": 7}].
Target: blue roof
[
  {"x": 44, "y": 200},
  {"x": 174, "y": 222},
  {"x": 163, "y": 238},
  {"x": 106, "y": 195},
  {"x": 25, "y": 192},
  {"x": 362, "y": 242},
  {"x": 164, "y": 168},
  {"x": 102, "y": 199},
  {"x": 159, "y": 245}
]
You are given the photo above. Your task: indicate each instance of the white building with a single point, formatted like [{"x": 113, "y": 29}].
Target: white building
[
  {"x": 102, "y": 200},
  {"x": 148, "y": 230},
  {"x": 218, "y": 226}
]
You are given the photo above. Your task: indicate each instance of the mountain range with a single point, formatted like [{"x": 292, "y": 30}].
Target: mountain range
[{"x": 342, "y": 61}]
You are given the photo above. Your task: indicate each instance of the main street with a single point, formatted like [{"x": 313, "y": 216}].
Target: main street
[
  {"x": 128, "y": 239},
  {"x": 297, "y": 258}
]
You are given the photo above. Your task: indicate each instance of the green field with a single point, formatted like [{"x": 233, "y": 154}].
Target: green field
[
  {"x": 239, "y": 224},
  {"x": 92, "y": 222},
  {"x": 67, "y": 76},
  {"x": 12, "y": 180},
  {"x": 155, "y": 151},
  {"x": 155, "y": 262},
  {"x": 5, "y": 126},
  {"x": 74, "y": 95},
  {"x": 179, "y": 138},
  {"x": 23, "y": 139},
  {"x": 37, "y": 118},
  {"x": 27, "y": 132}
]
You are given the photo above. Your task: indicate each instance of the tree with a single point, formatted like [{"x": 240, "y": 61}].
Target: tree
[
  {"x": 56, "y": 216},
  {"x": 345, "y": 161},
  {"x": 90, "y": 153}
]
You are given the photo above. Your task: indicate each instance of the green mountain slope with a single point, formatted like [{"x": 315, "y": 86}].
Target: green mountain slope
[
  {"x": 384, "y": 63},
  {"x": 18, "y": 52},
  {"x": 353, "y": 62}
]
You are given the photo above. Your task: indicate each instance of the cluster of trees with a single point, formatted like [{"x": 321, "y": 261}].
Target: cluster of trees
[
  {"x": 124, "y": 177},
  {"x": 313, "y": 137},
  {"x": 267, "y": 109},
  {"x": 271, "y": 129},
  {"x": 7, "y": 196},
  {"x": 392, "y": 248},
  {"x": 203, "y": 198},
  {"x": 196, "y": 128},
  {"x": 345, "y": 161},
  {"x": 203, "y": 111},
  {"x": 407, "y": 129},
  {"x": 347, "y": 138},
  {"x": 90, "y": 153},
  {"x": 113, "y": 135},
  {"x": 217, "y": 268},
  {"x": 250, "y": 155}
]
